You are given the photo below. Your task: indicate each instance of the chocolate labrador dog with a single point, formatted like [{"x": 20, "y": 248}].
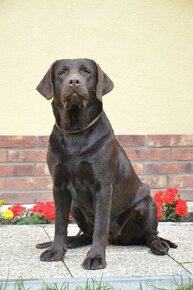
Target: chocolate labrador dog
[{"x": 92, "y": 176}]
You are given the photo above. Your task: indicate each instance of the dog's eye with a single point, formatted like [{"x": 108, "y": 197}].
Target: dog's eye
[
  {"x": 84, "y": 70},
  {"x": 63, "y": 71}
]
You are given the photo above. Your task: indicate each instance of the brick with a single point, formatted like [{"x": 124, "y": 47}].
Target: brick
[
  {"x": 2, "y": 181},
  {"x": 44, "y": 196},
  {"x": 182, "y": 154},
  {"x": 27, "y": 155},
  {"x": 170, "y": 140},
  {"x": 16, "y": 170},
  {"x": 6, "y": 170},
  {"x": 169, "y": 168},
  {"x": 154, "y": 190},
  {"x": 17, "y": 141},
  {"x": 43, "y": 141},
  {"x": 181, "y": 181},
  {"x": 187, "y": 194},
  {"x": 155, "y": 181},
  {"x": 131, "y": 140},
  {"x": 33, "y": 183},
  {"x": 42, "y": 169},
  {"x": 16, "y": 156},
  {"x": 3, "y": 156},
  {"x": 138, "y": 167},
  {"x": 148, "y": 154},
  {"x": 19, "y": 197}
]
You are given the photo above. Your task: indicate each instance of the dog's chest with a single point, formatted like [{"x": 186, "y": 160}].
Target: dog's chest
[{"x": 80, "y": 180}]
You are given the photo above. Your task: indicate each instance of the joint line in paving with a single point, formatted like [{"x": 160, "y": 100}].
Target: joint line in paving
[
  {"x": 67, "y": 268},
  {"x": 180, "y": 264},
  {"x": 47, "y": 234}
]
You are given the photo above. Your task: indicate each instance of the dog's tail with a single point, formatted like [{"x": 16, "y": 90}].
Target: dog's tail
[{"x": 44, "y": 245}]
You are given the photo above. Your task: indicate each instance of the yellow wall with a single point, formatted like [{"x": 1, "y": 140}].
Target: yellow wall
[{"x": 145, "y": 46}]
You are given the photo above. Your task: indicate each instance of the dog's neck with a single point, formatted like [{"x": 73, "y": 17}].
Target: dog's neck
[{"x": 75, "y": 118}]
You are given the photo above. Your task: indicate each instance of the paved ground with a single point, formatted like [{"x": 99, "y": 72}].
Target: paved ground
[{"x": 20, "y": 258}]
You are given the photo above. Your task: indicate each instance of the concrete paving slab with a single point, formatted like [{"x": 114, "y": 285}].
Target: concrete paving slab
[
  {"x": 133, "y": 264},
  {"x": 20, "y": 258},
  {"x": 182, "y": 235},
  {"x": 184, "y": 255},
  {"x": 73, "y": 230},
  {"x": 34, "y": 269},
  {"x": 129, "y": 256},
  {"x": 176, "y": 231},
  {"x": 110, "y": 250}
]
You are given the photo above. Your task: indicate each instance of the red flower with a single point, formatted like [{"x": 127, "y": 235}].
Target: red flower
[
  {"x": 181, "y": 207},
  {"x": 160, "y": 212},
  {"x": 170, "y": 195},
  {"x": 158, "y": 197},
  {"x": 46, "y": 209},
  {"x": 17, "y": 209}
]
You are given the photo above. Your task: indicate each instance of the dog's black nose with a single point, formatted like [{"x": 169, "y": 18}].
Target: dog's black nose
[{"x": 74, "y": 83}]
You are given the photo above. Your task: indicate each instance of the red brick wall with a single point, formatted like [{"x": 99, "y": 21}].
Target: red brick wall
[{"x": 161, "y": 160}]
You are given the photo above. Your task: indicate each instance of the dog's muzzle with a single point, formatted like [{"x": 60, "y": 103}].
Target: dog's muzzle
[
  {"x": 74, "y": 92},
  {"x": 75, "y": 100}
]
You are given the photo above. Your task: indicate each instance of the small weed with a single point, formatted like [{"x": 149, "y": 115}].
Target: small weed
[
  {"x": 91, "y": 284},
  {"x": 179, "y": 285},
  {"x": 19, "y": 285},
  {"x": 184, "y": 286},
  {"x": 54, "y": 286}
]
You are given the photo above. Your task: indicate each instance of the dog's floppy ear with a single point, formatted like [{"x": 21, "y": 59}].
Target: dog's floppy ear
[
  {"x": 104, "y": 83},
  {"x": 46, "y": 87}
]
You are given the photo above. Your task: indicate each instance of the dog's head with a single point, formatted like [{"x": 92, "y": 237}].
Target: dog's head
[{"x": 73, "y": 81}]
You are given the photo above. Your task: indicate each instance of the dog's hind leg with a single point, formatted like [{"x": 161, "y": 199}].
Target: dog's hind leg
[
  {"x": 157, "y": 245},
  {"x": 141, "y": 228},
  {"x": 87, "y": 230},
  {"x": 79, "y": 241},
  {"x": 72, "y": 242}
]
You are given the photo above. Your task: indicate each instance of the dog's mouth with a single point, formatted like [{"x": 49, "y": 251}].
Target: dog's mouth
[{"x": 75, "y": 99}]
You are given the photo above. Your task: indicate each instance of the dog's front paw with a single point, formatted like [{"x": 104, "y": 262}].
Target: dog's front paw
[
  {"x": 52, "y": 255},
  {"x": 159, "y": 247},
  {"x": 94, "y": 263}
]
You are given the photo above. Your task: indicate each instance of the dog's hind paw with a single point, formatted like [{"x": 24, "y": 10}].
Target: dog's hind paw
[
  {"x": 171, "y": 244},
  {"x": 158, "y": 247}
]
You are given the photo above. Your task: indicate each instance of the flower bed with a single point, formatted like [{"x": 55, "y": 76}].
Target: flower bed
[
  {"x": 40, "y": 213},
  {"x": 171, "y": 207}
]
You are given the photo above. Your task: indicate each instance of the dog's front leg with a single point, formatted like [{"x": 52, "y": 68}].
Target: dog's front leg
[
  {"x": 58, "y": 248},
  {"x": 96, "y": 256}
]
